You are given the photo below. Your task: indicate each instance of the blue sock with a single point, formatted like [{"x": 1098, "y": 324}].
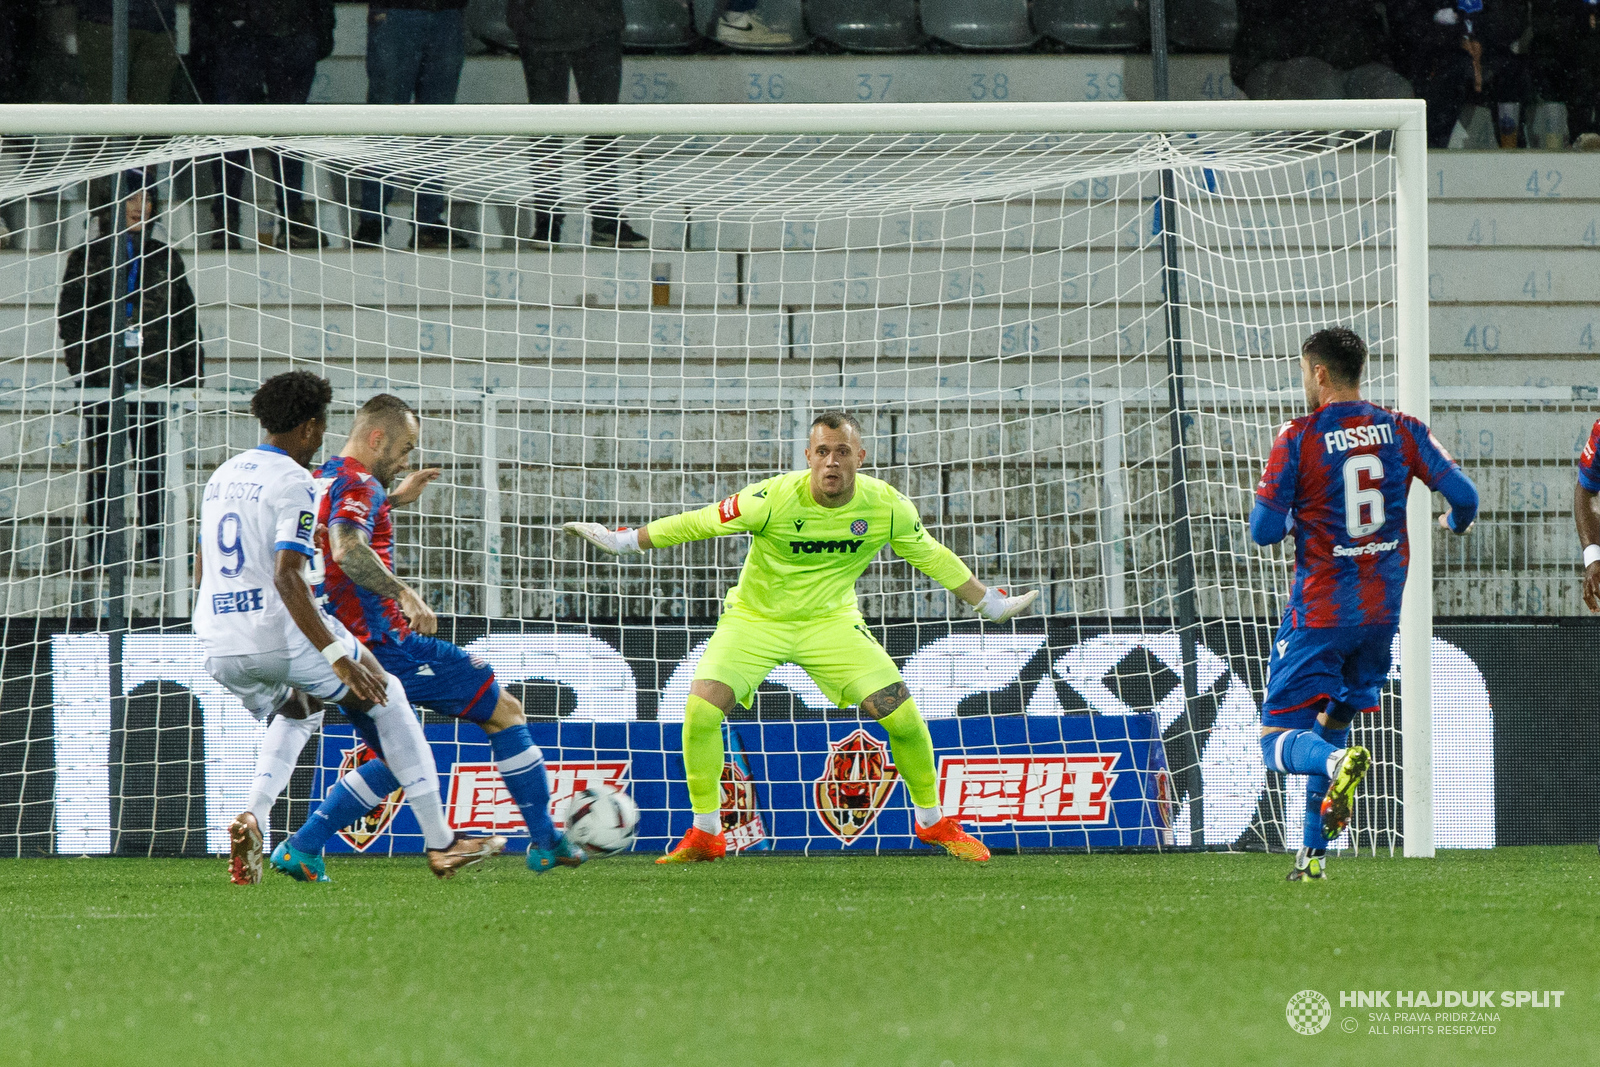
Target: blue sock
[
  {"x": 1316, "y": 790},
  {"x": 521, "y": 765},
  {"x": 1317, "y": 787},
  {"x": 350, "y": 798},
  {"x": 1296, "y": 752}
]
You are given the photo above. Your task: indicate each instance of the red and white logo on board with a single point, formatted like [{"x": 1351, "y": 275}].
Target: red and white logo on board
[
  {"x": 360, "y": 834},
  {"x": 728, "y": 508},
  {"x": 854, "y": 785},
  {"x": 1028, "y": 789},
  {"x": 479, "y": 799}
]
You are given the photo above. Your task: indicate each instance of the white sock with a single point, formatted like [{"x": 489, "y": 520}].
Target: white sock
[
  {"x": 926, "y": 817},
  {"x": 710, "y": 822},
  {"x": 410, "y": 757},
  {"x": 739, "y": 20},
  {"x": 1333, "y": 764},
  {"x": 280, "y": 750}
]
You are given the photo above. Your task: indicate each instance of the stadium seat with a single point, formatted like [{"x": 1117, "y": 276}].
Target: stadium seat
[
  {"x": 866, "y": 25},
  {"x": 486, "y": 20},
  {"x": 658, "y": 24},
  {"x": 980, "y": 25},
  {"x": 1202, "y": 25},
  {"x": 1114, "y": 25}
]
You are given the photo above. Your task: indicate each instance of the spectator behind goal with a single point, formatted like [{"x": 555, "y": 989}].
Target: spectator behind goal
[
  {"x": 1566, "y": 64},
  {"x": 159, "y": 346},
  {"x": 553, "y": 38},
  {"x": 1459, "y": 55},
  {"x": 265, "y": 52},
  {"x": 152, "y": 50},
  {"x": 415, "y": 50},
  {"x": 1311, "y": 50}
]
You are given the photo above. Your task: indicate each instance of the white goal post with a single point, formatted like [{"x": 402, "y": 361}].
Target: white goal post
[{"x": 742, "y": 317}]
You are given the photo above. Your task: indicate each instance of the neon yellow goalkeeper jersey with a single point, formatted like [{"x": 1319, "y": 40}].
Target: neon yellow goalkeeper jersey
[{"x": 804, "y": 559}]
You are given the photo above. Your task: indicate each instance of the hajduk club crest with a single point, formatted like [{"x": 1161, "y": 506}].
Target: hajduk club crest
[
  {"x": 854, "y": 785},
  {"x": 367, "y": 829}
]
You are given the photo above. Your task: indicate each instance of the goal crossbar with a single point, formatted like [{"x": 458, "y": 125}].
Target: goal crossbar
[{"x": 465, "y": 120}]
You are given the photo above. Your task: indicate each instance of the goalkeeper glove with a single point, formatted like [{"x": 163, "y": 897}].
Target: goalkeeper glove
[
  {"x": 612, "y": 542},
  {"x": 997, "y": 607}
]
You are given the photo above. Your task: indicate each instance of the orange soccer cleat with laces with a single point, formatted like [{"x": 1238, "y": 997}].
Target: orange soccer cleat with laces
[{"x": 948, "y": 835}]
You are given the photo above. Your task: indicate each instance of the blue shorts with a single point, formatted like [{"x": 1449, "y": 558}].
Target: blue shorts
[
  {"x": 1310, "y": 667},
  {"x": 440, "y": 676}
]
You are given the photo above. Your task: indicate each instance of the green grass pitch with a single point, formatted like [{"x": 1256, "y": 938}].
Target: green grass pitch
[{"x": 837, "y": 960}]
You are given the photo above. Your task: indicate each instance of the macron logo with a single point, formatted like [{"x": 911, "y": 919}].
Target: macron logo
[{"x": 425, "y": 671}]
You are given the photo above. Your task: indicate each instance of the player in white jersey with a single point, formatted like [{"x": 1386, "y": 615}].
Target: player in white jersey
[{"x": 267, "y": 641}]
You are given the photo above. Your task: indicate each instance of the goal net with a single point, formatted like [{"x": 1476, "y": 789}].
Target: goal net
[{"x": 1069, "y": 342}]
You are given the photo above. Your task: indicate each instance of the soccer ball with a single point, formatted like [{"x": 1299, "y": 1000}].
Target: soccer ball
[{"x": 602, "y": 819}]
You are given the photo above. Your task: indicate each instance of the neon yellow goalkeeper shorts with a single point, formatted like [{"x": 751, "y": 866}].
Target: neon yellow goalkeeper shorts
[{"x": 838, "y": 652}]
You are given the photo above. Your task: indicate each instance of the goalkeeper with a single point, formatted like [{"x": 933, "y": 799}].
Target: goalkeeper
[{"x": 814, "y": 531}]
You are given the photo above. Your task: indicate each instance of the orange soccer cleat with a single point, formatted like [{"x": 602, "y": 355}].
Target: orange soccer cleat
[
  {"x": 948, "y": 835},
  {"x": 697, "y": 846}
]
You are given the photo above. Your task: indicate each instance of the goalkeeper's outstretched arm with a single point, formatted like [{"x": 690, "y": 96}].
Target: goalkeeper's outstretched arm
[
  {"x": 743, "y": 512},
  {"x": 913, "y": 543}
]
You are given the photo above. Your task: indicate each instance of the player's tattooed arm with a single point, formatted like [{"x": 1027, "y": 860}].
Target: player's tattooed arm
[
  {"x": 886, "y": 700},
  {"x": 1587, "y": 517},
  {"x": 357, "y": 559}
]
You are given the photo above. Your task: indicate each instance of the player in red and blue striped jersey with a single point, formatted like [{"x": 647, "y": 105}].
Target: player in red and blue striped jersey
[
  {"x": 1339, "y": 478},
  {"x": 357, "y": 585},
  {"x": 1587, "y": 515}
]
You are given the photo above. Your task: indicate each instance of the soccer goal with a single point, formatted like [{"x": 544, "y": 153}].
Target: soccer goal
[{"x": 1069, "y": 331}]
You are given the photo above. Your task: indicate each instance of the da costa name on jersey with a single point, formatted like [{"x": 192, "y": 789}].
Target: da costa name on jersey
[
  {"x": 1358, "y": 437},
  {"x": 249, "y": 491}
]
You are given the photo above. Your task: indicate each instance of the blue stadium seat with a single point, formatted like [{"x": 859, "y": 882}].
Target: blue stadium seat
[
  {"x": 980, "y": 25},
  {"x": 1098, "y": 24},
  {"x": 1202, "y": 25},
  {"x": 866, "y": 25},
  {"x": 660, "y": 24}
]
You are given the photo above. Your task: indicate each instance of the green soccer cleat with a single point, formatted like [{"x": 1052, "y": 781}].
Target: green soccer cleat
[
  {"x": 565, "y": 854},
  {"x": 1347, "y": 773},
  {"x": 1310, "y": 865},
  {"x": 300, "y": 866}
]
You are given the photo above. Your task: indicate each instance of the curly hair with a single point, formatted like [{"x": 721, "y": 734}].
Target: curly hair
[{"x": 285, "y": 401}]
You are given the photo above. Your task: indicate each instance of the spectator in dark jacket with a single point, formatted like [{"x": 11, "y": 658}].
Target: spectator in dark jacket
[
  {"x": 1566, "y": 64},
  {"x": 555, "y": 37},
  {"x": 266, "y": 52},
  {"x": 159, "y": 346},
  {"x": 1460, "y": 54},
  {"x": 1313, "y": 50},
  {"x": 152, "y": 50},
  {"x": 19, "y": 22},
  {"x": 414, "y": 52}
]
